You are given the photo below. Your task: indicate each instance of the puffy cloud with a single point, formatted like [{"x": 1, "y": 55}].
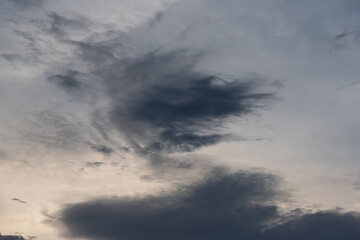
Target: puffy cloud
[{"x": 223, "y": 205}]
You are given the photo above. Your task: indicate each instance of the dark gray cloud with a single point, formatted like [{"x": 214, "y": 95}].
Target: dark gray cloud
[
  {"x": 156, "y": 19},
  {"x": 184, "y": 165},
  {"x": 99, "y": 54},
  {"x": 18, "y": 200},
  {"x": 102, "y": 149},
  {"x": 162, "y": 103},
  {"x": 329, "y": 225},
  {"x": 222, "y": 206},
  {"x": 344, "y": 39},
  {"x": 94, "y": 164},
  {"x": 13, "y": 58},
  {"x": 68, "y": 80},
  {"x": 11, "y": 237}
]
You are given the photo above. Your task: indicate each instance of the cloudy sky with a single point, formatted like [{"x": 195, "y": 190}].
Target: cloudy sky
[{"x": 179, "y": 119}]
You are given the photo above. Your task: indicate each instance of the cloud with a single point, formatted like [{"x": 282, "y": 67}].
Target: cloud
[
  {"x": 13, "y": 58},
  {"x": 55, "y": 130},
  {"x": 160, "y": 100},
  {"x": 18, "y": 200},
  {"x": 94, "y": 164},
  {"x": 102, "y": 149},
  {"x": 162, "y": 103},
  {"x": 10, "y": 237},
  {"x": 68, "y": 81},
  {"x": 224, "y": 205},
  {"x": 59, "y": 25},
  {"x": 27, "y": 3},
  {"x": 342, "y": 40},
  {"x": 33, "y": 51},
  {"x": 327, "y": 225}
]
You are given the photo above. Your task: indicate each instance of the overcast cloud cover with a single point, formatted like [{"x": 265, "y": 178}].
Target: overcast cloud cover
[{"x": 177, "y": 119}]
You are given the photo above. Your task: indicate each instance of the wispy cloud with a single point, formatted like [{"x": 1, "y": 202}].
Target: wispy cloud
[
  {"x": 27, "y": 3},
  {"x": 159, "y": 101},
  {"x": 18, "y": 200}
]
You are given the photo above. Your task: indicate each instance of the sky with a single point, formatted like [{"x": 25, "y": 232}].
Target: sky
[{"x": 179, "y": 119}]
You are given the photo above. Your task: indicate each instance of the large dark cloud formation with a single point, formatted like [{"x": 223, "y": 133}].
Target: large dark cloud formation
[
  {"x": 161, "y": 102},
  {"x": 223, "y": 206},
  {"x": 181, "y": 104}
]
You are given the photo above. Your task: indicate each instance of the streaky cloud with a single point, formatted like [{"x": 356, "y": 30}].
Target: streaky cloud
[
  {"x": 18, "y": 200},
  {"x": 102, "y": 149}
]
